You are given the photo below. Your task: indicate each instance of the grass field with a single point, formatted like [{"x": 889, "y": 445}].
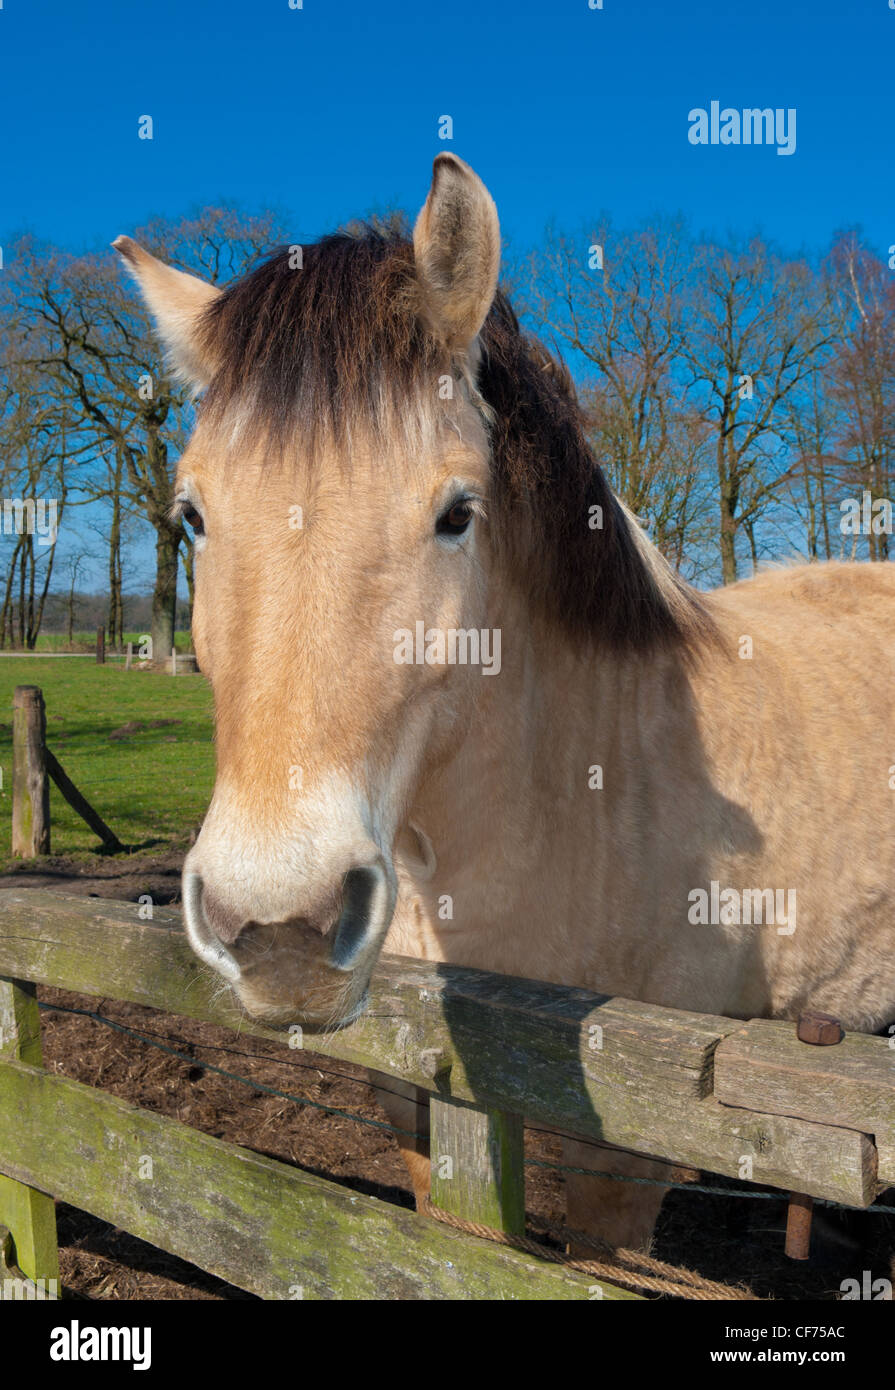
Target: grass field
[
  {"x": 86, "y": 641},
  {"x": 151, "y": 785}
]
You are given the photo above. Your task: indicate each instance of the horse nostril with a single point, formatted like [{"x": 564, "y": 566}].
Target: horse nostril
[
  {"x": 204, "y": 941},
  {"x": 367, "y": 904},
  {"x": 223, "y": 922},
  {"x": 351, "y": 928}
]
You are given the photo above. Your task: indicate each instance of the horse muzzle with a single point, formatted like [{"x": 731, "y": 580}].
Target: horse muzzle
[{"x": 299, "y": 969}]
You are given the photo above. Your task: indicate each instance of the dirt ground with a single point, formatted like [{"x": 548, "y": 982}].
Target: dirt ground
[
  {"x": 723, "y": 1237},
  {"x": 123, "y": 876}
]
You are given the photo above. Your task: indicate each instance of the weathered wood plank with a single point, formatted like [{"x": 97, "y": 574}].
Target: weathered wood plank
[
  {"x": 29, "y": 1215},
  {"x": 628, "y": 1073},
  {"x": 839, "y": 1165},
  {"x": 763, "y": 1066},
  {"x": 276, "y": 1231},
  {"x": 477, "y": 1164}
]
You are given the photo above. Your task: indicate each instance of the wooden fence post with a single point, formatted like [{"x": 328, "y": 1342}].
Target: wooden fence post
[
  {"x": 30, "y": 784},
  {"x": 29, "y": 1214},
  {"x": 80, "y": 803},
  {"x": 129, "y": 659},
  {"x": 100, "y": 645},
  {"x": 477, "y": 1164}
]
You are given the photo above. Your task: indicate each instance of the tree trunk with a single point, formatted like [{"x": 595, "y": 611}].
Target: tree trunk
[
  {"x": 164, "y": 597},
  {"x": 115, "y": 622},
  {"x": 30, "y": 635},
  {"x": 824, "y": 519},
  {"x": 728, "y": 542},
  {"x": 23, "y": 570},
  {"x": 811, "y": 526},
  {"x": 9, "y": 606},
  {"x": 39, "y": 615}
]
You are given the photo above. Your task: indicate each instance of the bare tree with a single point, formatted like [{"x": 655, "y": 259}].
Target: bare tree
[
  {"x": 862, "y": 383},
  {"x": 614, "y": 302},
  {"x": 757, "y": 324},
  {"x": 81, "y": 324},
  {"x": 35, "y": 479}
]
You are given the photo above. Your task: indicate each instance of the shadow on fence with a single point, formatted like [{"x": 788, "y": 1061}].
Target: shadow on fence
[{"x": 702, "y": 1091}]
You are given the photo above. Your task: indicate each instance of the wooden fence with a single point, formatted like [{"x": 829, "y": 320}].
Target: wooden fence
[
  {"x": 33, "y": 764},
  {"x": 709, "y": 1092}
]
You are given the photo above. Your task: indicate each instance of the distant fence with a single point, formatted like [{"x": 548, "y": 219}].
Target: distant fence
[{"x": 741, "y": 1099}]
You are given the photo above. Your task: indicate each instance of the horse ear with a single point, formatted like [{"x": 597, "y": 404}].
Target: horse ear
[
  {"x": 177, "y": 302},
  {"x": 456, "y": 246}
]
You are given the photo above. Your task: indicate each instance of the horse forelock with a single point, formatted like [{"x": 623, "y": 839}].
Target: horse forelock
[{"x": 330, "y": 344}]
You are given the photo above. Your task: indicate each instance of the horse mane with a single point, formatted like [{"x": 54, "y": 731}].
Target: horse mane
[{"x": 335, "y": 343}]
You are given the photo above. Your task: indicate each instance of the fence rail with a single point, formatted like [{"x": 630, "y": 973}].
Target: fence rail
[{"x": 704, "y": 1091}]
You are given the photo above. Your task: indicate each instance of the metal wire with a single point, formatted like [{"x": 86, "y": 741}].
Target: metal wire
[
  {"x": 152, "y": 1041},
  {"x": 698, "y": 1186},
  {"x": 147, "y": 1035},
  {"x": 231, "y": 1076}
]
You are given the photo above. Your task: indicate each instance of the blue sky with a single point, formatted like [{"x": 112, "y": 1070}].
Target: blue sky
[{"x": 332, "y": 109}]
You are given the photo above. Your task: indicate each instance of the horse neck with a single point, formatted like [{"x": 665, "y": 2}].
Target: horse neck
[{"x": 518, "y": 810}]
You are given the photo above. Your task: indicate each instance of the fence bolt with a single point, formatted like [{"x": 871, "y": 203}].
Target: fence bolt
[
  {"x": 819, "y": 1030},
  {"x": 823, "y": 1030}
]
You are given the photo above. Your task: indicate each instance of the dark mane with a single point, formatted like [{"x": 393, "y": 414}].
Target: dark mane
[{"x": 340, "y": 343}]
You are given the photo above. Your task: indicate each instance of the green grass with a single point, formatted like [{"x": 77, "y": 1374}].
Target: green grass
[
  {"x": 150, "y": 787},
  {"x": 86, "y": 641}
]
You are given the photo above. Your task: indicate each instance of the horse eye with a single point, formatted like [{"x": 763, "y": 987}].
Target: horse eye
[
  {"x": 193, "y": 519},
  {"x": 455, "y": 520}
]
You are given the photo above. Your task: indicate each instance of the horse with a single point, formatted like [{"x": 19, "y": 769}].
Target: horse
[{"x": 466, "y": 711}]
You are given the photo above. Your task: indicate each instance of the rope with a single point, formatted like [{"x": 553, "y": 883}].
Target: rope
[{"x": 627, "y": 1268}]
